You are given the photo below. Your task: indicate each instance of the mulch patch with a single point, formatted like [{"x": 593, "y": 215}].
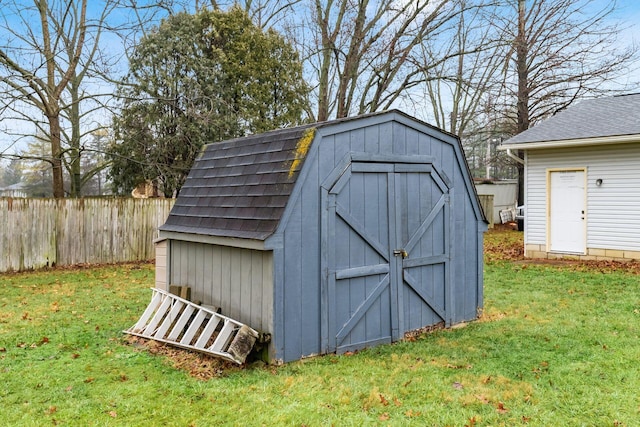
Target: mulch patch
[{"x": 198, "y": 365}]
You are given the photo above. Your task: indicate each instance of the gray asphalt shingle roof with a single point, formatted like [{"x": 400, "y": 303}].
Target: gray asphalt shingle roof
[
  {"x": 239, "y": 188},
  {"x": 591, "y": 118}
]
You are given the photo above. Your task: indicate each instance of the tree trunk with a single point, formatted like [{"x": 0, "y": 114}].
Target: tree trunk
[
  {"x": 523, "y": 90},
  {"x": 56, "y": 156},
  {"x": 522, "y": 70},
  {"x": 323, "y": 85},
  {"x": 75, "y": 152}
]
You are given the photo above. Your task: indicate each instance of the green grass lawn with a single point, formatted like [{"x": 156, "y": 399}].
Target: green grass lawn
[{"x": 557, "y": 345}]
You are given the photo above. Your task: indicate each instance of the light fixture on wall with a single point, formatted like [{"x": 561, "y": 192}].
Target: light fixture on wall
[{"x": 599, "y": 182}]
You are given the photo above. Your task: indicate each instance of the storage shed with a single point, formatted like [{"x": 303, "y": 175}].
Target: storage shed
[
  {"x": 330, "y": 237},
  {"x": 582, "y": 181}
]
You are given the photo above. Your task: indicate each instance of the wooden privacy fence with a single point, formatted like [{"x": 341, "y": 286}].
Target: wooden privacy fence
[
  {"x": 36, "y": 233},
  {"x": 486, "y": 201}
]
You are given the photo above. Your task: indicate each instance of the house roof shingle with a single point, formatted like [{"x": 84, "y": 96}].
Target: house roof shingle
[{"x": 591, "y": 118}]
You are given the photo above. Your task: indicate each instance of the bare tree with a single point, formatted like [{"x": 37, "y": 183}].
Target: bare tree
[
  {"x": 362, "y": 56},
  {"x": 462, "y": 68},
  {"x": 561, "y": 51},
  {"x": 50, "y": 63},
  {"x": 33, "y": 71}
]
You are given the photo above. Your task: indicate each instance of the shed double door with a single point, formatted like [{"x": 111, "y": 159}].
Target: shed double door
[{"x": 387, "y": 234}]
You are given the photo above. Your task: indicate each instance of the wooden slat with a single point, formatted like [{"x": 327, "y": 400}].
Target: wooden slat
[
  {"x": 181, "y": 323},
  {"x": 207, "y": 332},
  {"x": 173, "y": 314},
  {"x": 367, "y": 270},
  {"x": 156, "y": 300},
  {"x": 222, "y": 340},
  {"x": 158, "y": 316},
  {"x": 193, "y": 328}
]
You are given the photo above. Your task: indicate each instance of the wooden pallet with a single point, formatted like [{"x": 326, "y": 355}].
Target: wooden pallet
[{"x": 179, "y": 322}]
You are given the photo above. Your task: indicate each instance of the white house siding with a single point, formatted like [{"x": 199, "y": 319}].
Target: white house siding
[{"x": 613, "y": 209}]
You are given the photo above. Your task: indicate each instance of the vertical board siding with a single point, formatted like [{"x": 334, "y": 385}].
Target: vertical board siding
[
  {"x": 238, "y": 281},
  {"x": 300, "y": 257},
  {"x": 504, "y": 196},
  {"x": 161, "y": 266},
  {"x": 44, "y": 232},
  {"x": 612, "y": 209}
]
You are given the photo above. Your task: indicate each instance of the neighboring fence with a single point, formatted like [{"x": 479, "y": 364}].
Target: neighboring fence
[
  {"x": 36, "y": 233},
  {"x": 486, "y": 202},
  {"x": 505, "y": 194}
]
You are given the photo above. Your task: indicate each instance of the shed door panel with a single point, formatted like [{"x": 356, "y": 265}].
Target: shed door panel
[
  {"x": 423, "y": 235},
  {"x": 376, "y": 293},
  {"x": 362, "y": 301}
]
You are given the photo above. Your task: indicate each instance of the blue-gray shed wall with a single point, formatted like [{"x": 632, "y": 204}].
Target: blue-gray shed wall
[{"x": 297, "y": 244}]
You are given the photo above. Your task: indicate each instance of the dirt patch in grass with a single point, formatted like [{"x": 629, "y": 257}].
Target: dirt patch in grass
[{"x": 197, "y": 365}]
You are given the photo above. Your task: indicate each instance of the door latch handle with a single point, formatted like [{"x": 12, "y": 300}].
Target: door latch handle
[{"x": 402, "y": 252}]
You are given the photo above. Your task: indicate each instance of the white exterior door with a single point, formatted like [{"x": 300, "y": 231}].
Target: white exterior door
[{"x": 567, "y": 212}]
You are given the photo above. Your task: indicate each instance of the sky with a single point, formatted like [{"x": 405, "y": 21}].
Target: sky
[{"x": 627, "y": 11}]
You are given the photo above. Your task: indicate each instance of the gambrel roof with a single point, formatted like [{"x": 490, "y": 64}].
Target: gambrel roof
[
  {"x": 612, "y": 119},
  {"x": 240, "y": 187}
]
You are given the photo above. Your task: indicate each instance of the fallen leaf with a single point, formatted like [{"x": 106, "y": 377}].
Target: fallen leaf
[
  {"x": 457, "y": 386},
  {"x": 527, "y": 419},
  {"x": 113, "y": 414},
  {"x": 25, "y": 315},
  {"x": 397, "y": 402},
  {"x": 384, "y": 417},
  {"x": 44, "y": 340},
  {"x": 89, "y": 380},
  {"x": 51, "y": 410},
  {"x": 383, "y": 400},
  {"x": 411, "y": 413},
  {"x": 75, "y": 355},
  {"x": 486, "y": 380},
  {"x": 501, "y": 408},
  {"x": 472, "y": 422},
  {"x": 2, "y": 349}
]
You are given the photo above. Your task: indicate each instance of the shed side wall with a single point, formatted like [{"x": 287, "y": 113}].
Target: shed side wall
[
  {"x": 612, "y": 219},
  {"x": 239, "y": 281}
]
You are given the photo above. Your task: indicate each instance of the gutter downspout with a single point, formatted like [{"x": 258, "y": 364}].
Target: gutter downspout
[{"x": 514, "y": 157}]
